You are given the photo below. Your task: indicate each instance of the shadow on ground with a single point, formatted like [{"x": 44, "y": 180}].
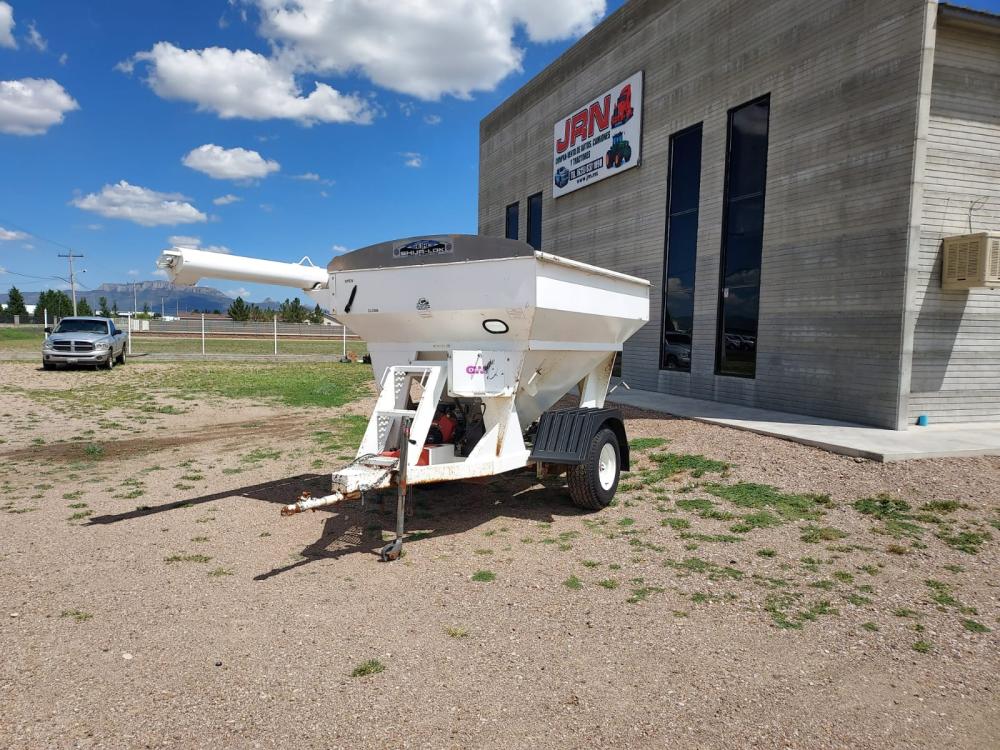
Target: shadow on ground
[{"x": 438, "y": 510}]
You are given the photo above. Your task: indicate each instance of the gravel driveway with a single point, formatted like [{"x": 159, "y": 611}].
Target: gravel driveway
[{"x": 742, "y": 592}]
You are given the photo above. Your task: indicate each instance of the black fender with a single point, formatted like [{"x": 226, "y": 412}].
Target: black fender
[{"x": 563, "y": 435}]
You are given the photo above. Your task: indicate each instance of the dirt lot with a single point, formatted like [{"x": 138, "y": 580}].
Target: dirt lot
[{"x": 742, "y": 592}]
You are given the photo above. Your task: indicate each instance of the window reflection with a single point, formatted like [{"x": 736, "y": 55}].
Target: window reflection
[{"x": 684, "y": 187}]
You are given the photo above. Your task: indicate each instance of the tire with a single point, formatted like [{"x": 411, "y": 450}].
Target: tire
[
  {"x": 589, "y": 486},
  {"x": 110, "y": 364},
  {"x": 48, "y": 366},
  {"x": 121, "y": 357}
]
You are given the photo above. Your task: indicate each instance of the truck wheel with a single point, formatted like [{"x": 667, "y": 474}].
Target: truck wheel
[
  {"x": 48, "y": 366},
  {"x": 110, "y": 364},
  {"x": 592, "y": 484},
  {"x": 121, "y": 357}
]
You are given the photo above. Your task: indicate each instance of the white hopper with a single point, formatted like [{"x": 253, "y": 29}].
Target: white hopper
[{"x": 469, "y": 320}]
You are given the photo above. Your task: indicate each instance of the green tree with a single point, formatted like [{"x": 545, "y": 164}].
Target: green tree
[
  {"x": 259, "y": 314},
  {"x": 114, "y": 308},
  {"x": 56, "y": 303},
  {"x": 15, "y": 303},
  {"x": 83, "y": 307},
  {"x": 102, "y": 307},
  {"x": 292, "y": 311},
  {"x": 316, "y": 316},
  {"x": 239, "y": 310},
  {"x": 145, "y": 308}
]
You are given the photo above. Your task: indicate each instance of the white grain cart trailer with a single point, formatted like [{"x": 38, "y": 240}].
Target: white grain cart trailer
[{"x": 473, "y": 340}]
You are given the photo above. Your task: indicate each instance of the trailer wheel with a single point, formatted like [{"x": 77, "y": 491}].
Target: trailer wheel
[{"x": 592, "y": 484}]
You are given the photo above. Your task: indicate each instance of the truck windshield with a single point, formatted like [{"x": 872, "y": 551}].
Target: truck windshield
[{"x": 82, "y": 326}]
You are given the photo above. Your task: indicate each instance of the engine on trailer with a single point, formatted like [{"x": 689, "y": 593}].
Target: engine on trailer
[{"x": 460, "y": 423}]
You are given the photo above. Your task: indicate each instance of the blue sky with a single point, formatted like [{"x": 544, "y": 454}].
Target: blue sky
[{"x": 357, "y": 122}]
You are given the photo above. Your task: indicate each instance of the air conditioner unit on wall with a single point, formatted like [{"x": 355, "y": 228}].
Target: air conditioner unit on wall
[{"x": 971, "y": 261}]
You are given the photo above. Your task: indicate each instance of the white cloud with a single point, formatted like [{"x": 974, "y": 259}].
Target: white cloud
[
  {"x": 387, "y": 40},
  {"x": 3, "y": 270},
  {"x": 229, "y": 163},
  {"x": 95, "y": 227},
  {"x": 63, "y": 58},
  {"x": 412, "y": 159},
  {"x": 339, "y": 249},
  {"x": 240, "y": 292},
  {"x": 225, "y": 200},
  {"x": 432, "y": 119},
  {"x": 133, "y": 272},
  {"x": 7, "y": 26},
  {"x": 243, "y": 84},
  {"x": 140, "y": 205},
  {"x": 407, "y": 108},
  {"x": 183, "y": 240},
  {"x": 266, "y": 207},
  {"x": 30, "y": 106},
  {"x": 312, "y": 177},
  {"x": 35, "y": 39},
  {"x": 9, "y": 235},
  {"x": 162, "y": 272}
]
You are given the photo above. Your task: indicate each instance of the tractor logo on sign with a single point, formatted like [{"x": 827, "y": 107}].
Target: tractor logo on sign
[
  {"x": 423, "y": 304},
  {"x": 422, "y": 247}
]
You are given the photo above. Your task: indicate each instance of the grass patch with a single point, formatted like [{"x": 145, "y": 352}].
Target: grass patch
[
  {"x": 368, "y": 668},
  {"x": 456, "y": 632},
  {"x": 645, "y": 444},
  {"x": 642, "y": 593},
  {"x": 608, "y": 583},
  {"x": 591, "y": 564},
  {"x": 761, "y": 497},
  {"x": 814, "y": 534},
  {"x": 941, "y": 506},
  {"x": 573, "y": 583},
  {"x": 187, "y": 558},
  {"x": 676, "y": 523},
  {"x": 922, "y": 647},
  {"x": 897, "y": 521},
  {"x": 219, "y": 572},
  {"x": 765, "y": 552},
  {"x": 255, "y": 456},
  {"x": 968, "y": 542},
  {"x": 669, "y": 464},
  {"x": 974, "y": 627},
  {"x": 93, "y": 450},
  {"x": 79, "y": 515},
  {"x": 77, "y": 614},
  {"x": 870, "y": 626},
  {"x": 484, "y": 576},
  {"x": 704, "y": 567}
]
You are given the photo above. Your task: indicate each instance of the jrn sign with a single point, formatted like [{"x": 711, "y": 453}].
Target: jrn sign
[{"x": 600, "y": 139}]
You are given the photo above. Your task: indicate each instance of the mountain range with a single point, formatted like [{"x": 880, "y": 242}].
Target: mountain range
[{"x": 161, "y": 296}]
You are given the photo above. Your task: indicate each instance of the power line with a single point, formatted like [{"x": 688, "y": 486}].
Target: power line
[{"x": 72, "y": 276}]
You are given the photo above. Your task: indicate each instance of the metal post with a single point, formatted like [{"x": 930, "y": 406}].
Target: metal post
[
  {"x": 45, "y": 313},
  {"x": 129, "y": 340},
  {"x": 344, "y": 331},
  {"x": 276, "y": 335},
  {"x": 72, "y": 276},
  {"x": 392, "y": 550},
  {"x": 203, "y": 334}
]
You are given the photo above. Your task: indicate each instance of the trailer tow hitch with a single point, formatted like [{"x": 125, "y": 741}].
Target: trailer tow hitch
[
  {"x": 307, "y": 502},
  {"x": 394, "y": 549}
]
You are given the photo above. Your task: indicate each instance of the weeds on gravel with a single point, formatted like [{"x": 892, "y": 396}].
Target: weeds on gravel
[
  {"x": 779, "y": 606},
  {"x": 645, "y": 444},
  {"x": 870, "y": 626},
  {"x": 669, "y": 464},
  {"x": 765, "y": 552},
  {"x": 94, "y": 451},
  {"x": 370, "y": 667},
  {"x": 975, "y": 627},
  {"x": 922, "y": 647},
  {"x": 80, "y": 616},
  {"x": 608, "y": 583},
  {"x": 763, "y": 497},
  {"x": 704, "y": 567},
  {"x": 573, "y": 583},
  {"x": 484, "y": 576},
  {"x": 220, "y": 572},
  {"x": 897, "y": 521},
  {"x": 642, "y": 593},
  {"x": 813, "y": 534},
  {"x": 79, "y": 515},
  {"x": 964, "y": 541},
  {"x": 187, "y": 558},
  {"x": 456, "y": 632},
  {"x": 676, "y": 523}
]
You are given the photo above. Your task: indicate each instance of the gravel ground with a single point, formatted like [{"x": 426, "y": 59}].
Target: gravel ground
[{"x": 183, "y": 612}]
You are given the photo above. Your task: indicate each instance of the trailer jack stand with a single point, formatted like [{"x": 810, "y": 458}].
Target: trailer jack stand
[{"x": 394, "y": 549}]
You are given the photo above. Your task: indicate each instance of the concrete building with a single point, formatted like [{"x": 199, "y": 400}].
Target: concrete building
[{"x": 783, "y": 172}]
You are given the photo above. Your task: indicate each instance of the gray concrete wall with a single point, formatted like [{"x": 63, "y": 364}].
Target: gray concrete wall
[
  {"x": 956, "y": 342},
  {"x": 843, "y": 77}
]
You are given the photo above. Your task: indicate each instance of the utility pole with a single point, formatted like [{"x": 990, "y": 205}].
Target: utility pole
[
  {"x": 72, "y": 277},
  {"x": 163, "y": 308},
  {"x": 135, "y": 305}
]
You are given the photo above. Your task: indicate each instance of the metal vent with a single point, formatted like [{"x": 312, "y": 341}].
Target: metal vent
[{"x": 994, "y": 272}]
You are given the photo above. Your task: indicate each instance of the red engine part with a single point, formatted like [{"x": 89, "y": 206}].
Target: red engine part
[
  {"x": 447, "y": 426},
  {"x": 424, "y": 455}
]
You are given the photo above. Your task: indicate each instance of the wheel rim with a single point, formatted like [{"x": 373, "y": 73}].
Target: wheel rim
[{"x": 607, "y": 466}]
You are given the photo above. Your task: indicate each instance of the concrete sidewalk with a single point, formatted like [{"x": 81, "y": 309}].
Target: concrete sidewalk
[{"x": 847, "y": 438}]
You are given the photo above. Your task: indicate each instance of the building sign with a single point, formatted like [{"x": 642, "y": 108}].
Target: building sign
[{"x": 600, "y": 139}]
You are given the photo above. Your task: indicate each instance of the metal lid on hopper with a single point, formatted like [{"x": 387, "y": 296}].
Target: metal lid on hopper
[{"x": 427, "y": 249}]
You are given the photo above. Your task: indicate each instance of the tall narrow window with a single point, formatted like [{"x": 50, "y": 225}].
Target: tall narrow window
[
  {"x": 535, "y": 221},
  {"x": 742, "y": 239},
  {"x": 683, "y": 191},
  {"x": 510, "y": 230}
]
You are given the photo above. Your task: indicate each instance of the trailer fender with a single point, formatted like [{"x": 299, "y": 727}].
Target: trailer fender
[{"x": 563, "y": 435}]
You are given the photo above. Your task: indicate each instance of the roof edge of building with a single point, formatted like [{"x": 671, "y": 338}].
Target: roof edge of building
[{"x": 970, "y": 18}]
